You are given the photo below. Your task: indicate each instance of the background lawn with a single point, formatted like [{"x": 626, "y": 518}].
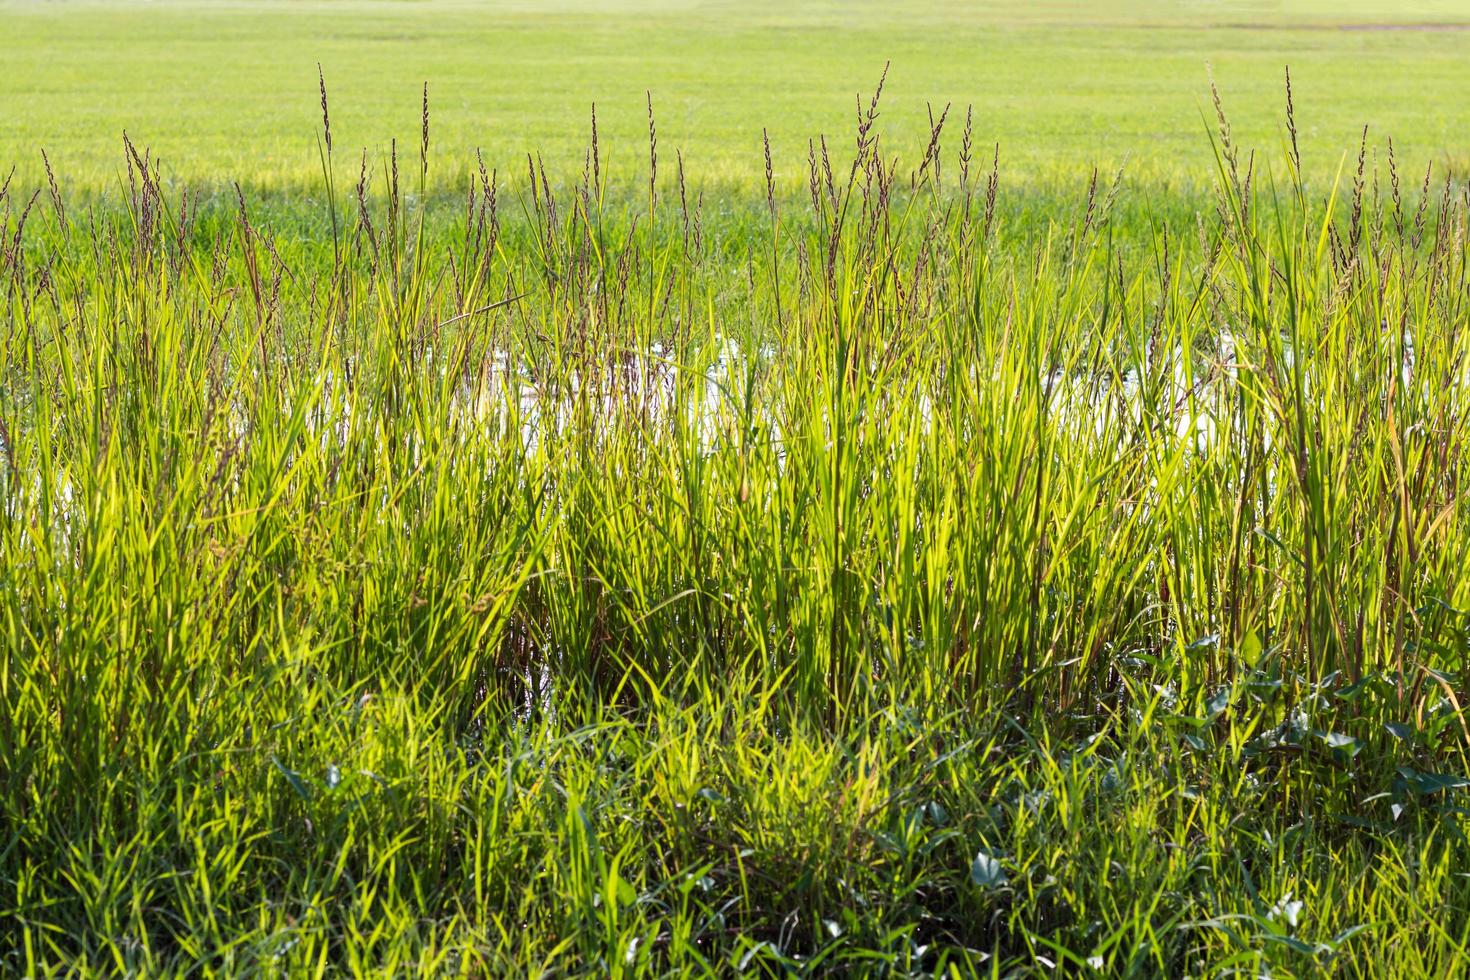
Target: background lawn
[{"x": 229, "y": 90}]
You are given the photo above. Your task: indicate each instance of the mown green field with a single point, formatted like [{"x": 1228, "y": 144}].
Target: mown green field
[
  {"x": 879, "y": 562},
  {"x": 228, "y": 91}
]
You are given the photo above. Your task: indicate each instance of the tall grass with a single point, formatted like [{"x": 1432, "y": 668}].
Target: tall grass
[{"x": 622, "y": 581}]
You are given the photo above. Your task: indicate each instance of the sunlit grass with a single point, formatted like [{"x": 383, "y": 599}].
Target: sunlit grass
[
  {"x": 223, "y": 91},
  {"x": 876, "y": 578}
]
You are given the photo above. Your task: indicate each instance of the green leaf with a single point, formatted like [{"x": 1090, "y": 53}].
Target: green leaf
[
  {"x": 1291, "y": 942},
  {"x": 1347, "y": 934},
  {"x": 1249, "y": 650},
  {"x": 986, "y": 870},
  {"x": 297, "y": 783},
  {"x": 626, "y": 895},
  {"x": 1340, "y": 742},
  {"x": 1432, "y": 782}
]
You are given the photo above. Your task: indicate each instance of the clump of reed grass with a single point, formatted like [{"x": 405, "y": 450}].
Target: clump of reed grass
[{"x": 569, "y": 594}]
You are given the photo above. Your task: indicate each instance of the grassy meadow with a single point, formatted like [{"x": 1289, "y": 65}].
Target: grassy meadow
[
  {"x": 767, "y": 530},
  {"x": 226, "y": 91}
]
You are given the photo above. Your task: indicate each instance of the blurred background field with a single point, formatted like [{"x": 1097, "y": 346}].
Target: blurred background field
[{"x": 227, "y": 91}]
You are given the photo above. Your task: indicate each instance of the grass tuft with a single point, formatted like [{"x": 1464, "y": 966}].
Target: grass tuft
[{"x": 873, "y": 577}]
